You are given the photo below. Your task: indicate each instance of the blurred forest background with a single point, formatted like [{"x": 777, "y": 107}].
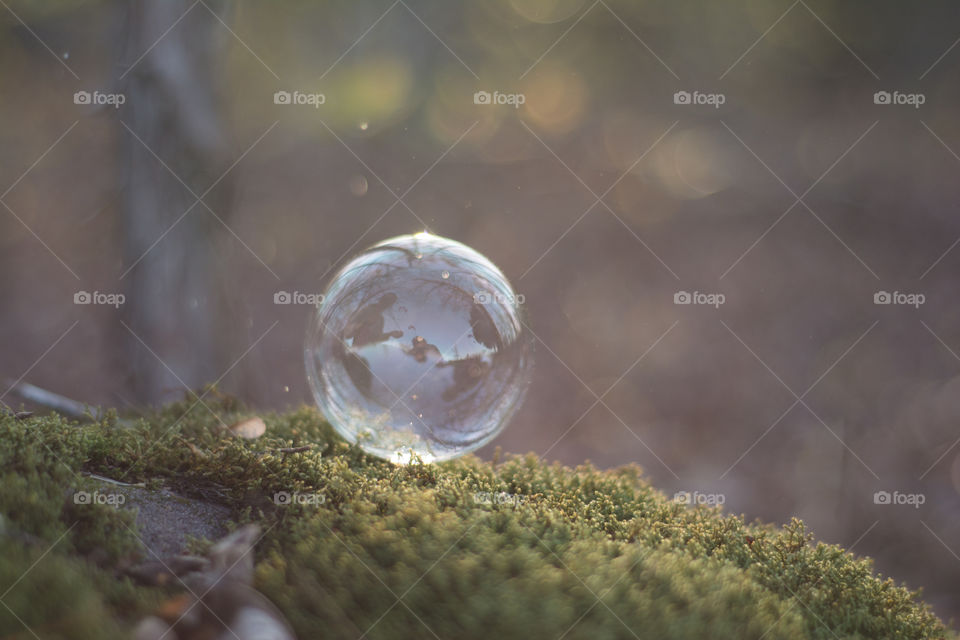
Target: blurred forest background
[{"x": 798, "y": 198}]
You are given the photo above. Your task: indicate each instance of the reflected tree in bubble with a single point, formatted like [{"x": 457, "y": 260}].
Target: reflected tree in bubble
[{"x": 418, "y": 349}]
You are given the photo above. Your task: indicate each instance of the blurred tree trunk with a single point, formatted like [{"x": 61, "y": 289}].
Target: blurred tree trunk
[{"x": 173, "y": 108}]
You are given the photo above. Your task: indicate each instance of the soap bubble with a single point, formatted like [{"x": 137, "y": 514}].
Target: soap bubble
[{"x": 418, "y": 350}]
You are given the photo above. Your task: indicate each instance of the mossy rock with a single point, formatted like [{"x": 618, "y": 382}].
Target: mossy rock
[{"x": 466, "y": 549}]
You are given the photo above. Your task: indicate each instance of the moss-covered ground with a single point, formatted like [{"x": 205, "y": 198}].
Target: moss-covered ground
[{"x": 512, "y": 548}]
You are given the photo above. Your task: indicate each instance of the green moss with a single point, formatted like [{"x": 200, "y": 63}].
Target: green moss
[{"x": 517, "y": 549}]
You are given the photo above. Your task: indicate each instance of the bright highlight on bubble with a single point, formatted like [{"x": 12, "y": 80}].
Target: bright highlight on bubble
[{"x": 418, "y": 350}]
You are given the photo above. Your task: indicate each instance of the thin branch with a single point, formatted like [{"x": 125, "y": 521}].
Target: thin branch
[{"x": 48, "y": 399}]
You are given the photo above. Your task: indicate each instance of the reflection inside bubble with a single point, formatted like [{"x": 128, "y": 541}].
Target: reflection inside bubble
[{"x": 419, "y": 349}]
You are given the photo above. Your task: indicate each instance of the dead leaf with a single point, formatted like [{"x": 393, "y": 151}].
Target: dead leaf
[
  {"x": 157, "y": 572},
  {"x": 228, "y": 607},
  {"x": 232, "y": 555},
  {"x": 195, "y": 450},
  {"x": 153, "y": 628},
  {"x": 250, "y": 428},
  {"x": 258, "y": 624},
  {"x": 173, "y": 609}
]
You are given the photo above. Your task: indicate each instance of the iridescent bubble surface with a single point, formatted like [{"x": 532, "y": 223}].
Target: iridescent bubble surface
[{"x": 418, "y": 349}]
